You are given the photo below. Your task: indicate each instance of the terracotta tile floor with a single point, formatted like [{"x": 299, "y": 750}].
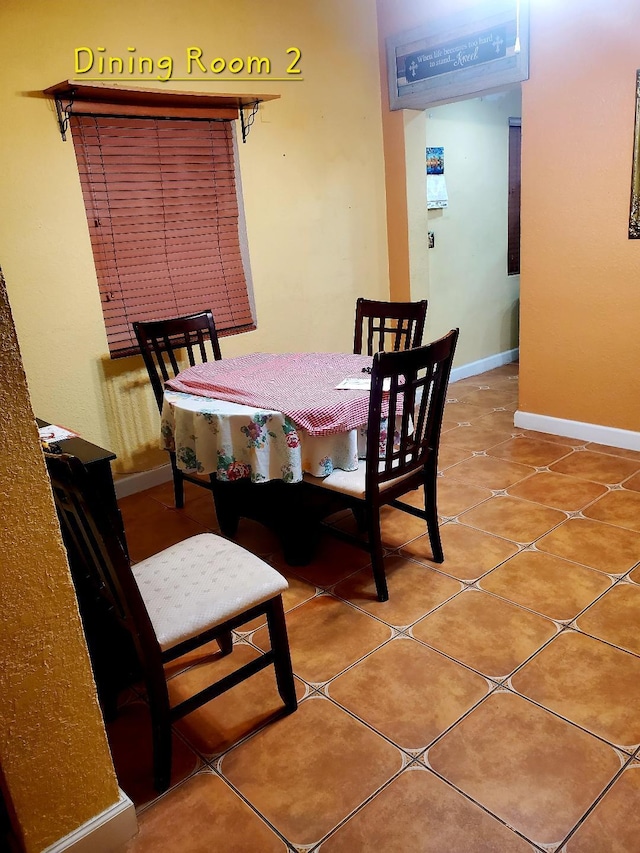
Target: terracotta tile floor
[{"x": 489, "y": 705}]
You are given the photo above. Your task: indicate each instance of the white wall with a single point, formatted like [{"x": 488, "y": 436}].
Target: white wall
[{"x": 465, "y": 278}]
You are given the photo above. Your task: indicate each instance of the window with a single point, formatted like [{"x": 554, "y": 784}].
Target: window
[
  {"x": 162, "y": 195},
  {"x": 164, "y": 219},
  {"x": 513, "y": 227}
]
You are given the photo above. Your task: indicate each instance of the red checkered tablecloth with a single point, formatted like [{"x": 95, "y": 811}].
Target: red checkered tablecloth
[{"x": 302, "y": 385}]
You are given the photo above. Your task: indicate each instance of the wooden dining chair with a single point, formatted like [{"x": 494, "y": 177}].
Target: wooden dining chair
[
  {"x": 398, "y": 463},
  {"x": 191, "y": 593},
  {"x": 388, "y": 325},
  {"x": 162, "y": 343}
]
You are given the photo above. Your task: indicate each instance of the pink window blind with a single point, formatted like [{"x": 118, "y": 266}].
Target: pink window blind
[{"x": 164, "y": 220}]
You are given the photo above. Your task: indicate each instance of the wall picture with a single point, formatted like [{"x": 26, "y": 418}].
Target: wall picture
[
  {"x": 634, "y": 217},
  {"x": 435, "y": 161},
  {"x": 436, "y": 187},
  {"x": 460, "y": 54}
]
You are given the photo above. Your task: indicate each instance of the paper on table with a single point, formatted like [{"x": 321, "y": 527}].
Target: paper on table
[
  {"x": 357, "y": 383},
  {"x": 52, "y": 433}
]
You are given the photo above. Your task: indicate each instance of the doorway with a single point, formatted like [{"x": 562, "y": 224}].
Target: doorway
[{"x": 465, "y": 275}]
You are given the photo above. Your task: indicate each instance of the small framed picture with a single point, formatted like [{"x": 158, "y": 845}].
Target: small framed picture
[{"x": 435, "y": 161}]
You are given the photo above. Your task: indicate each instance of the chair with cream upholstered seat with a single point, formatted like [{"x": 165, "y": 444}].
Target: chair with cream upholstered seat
[
  {"x": 191, "y": 593},
  {"x": 398, "y": 463}
]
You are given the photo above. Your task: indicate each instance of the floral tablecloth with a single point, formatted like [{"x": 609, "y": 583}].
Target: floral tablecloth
[{"x": 235, "y": 441}]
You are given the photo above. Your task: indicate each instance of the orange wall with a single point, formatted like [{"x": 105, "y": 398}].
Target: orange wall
[
  {"x": 580, "y": 274},
  {"x": 580, "y": 281}
]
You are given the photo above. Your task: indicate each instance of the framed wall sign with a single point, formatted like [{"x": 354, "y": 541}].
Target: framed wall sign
[
  {"x": 634, "y": 216},
  {"x": 462, "y": 55}
]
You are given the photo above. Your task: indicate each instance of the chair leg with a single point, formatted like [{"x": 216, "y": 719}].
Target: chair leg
[
  {"x": 226, "y": 514},
  {"x": 160, "y": 731},
  {"x": 431, "y": 510},
  {"x": 282, "y": 655},
  {"x": 377, "y": 558},
  {"x": 178, "y": 483},
  {"x": 361, "y": 517},
  {"x": 225, "y": 641}
]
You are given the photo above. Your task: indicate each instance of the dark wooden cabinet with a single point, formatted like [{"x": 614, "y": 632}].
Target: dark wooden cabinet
[
  {"x": 97, "y": 461},
  {"x": 113, "y": 655}
]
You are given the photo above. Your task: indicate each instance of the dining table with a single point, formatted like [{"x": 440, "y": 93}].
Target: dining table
[{"x": 259, "y": 422}]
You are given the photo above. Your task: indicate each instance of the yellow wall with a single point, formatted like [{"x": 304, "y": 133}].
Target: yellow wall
[
  {"x": 55, "y": 760},
  {"x": 580, "y": 289},
  {"x": 312, "y": 173},
  {"x": 415, "y": 140},
  {"x": 580, "y": 293}
]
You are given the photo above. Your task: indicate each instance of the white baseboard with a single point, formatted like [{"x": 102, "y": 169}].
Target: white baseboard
[
  {"x": 130, "y": 484},
  {"x": 106, "y": 832},
  {"x": 613, "y": 437},
  {"x": 484, "y": 364}
]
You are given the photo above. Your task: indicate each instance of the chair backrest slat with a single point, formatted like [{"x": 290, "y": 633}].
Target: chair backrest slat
[
  {"x": 388, "y": 325},
  {"x": 201, "y": 347},
  {"x": 418, "y": 379},
  {"x": 162, "y": 341}
]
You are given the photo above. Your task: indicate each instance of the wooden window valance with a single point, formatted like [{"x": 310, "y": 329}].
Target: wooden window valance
[
  {"x": 100, "y": 99},
  {"x": 161, "y": 189}
]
